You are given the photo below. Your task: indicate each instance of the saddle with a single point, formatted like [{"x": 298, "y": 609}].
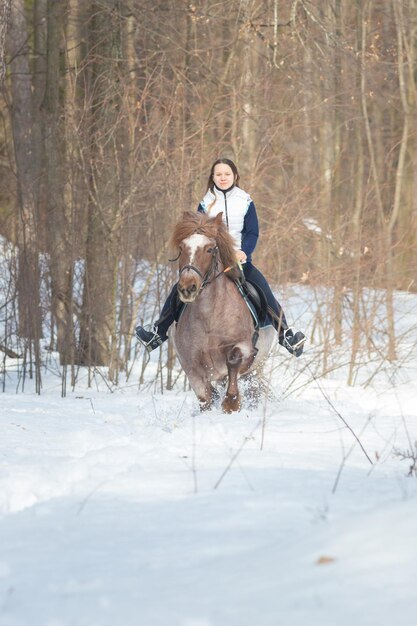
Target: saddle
[
  {"x": 256, "y": 302},
  {"x": 257, "y": 298}
]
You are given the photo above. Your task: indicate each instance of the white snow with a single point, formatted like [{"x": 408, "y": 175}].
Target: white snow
[{"x": 130, "y": 508}]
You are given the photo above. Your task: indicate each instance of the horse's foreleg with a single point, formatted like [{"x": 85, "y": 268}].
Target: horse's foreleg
[
  {"x": 210, "y": 396},
  {"x": 203, "y": 390},
  {"x": 232, "y": 400}
]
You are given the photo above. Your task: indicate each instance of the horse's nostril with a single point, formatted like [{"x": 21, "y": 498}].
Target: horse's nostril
[{"x": 187, "y": 291}]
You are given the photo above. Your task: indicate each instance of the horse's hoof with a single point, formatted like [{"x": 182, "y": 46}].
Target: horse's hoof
[
  {"x": 231, "y": 404},
  {"x": 205, "y": 406}
]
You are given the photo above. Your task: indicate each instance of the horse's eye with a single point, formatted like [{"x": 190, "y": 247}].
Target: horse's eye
[{"x": 209, "y": 250}]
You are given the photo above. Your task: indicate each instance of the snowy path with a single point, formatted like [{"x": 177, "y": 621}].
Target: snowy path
[{"x": 116, "y": 510}]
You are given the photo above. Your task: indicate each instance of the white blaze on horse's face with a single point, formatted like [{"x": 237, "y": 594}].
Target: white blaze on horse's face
[
  {"x": 195, "y": 261},
  {"x": 195, "y": 243}
]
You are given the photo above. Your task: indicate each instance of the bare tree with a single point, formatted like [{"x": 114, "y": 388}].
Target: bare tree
[
  {"x": 22, "y": 125},
  {"x": 5, "y": 9},
  {"x": 315, "y": 101}
]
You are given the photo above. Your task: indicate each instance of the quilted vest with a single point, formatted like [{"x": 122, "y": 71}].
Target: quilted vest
[{"x": 234, "y": 205}]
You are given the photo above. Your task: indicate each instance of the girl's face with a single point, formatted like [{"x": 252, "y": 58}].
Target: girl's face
[{"x": 223, "y": 176}]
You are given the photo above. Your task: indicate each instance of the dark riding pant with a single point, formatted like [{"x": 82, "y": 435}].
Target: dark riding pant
[{"x": 170, "y": 311}]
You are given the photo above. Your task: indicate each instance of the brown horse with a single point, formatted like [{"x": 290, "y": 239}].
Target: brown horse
[{"x": 214, "y": 335}]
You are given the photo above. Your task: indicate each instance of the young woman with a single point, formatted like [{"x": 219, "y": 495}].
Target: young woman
[{"x": 239, "y": 212}]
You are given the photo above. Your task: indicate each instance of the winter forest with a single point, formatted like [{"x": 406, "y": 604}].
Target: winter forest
[
  {"x": 121, "y": 504},
  {"x": 112, "y": 113}
]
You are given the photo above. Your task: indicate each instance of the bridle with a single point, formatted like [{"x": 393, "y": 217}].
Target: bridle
[{"x": 214, "y": 262}]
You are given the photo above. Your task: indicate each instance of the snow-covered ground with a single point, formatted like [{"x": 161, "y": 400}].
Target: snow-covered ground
[{"x": 129, "y": 508}]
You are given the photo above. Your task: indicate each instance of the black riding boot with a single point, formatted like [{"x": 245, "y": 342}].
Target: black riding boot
[
  {"x": 292, "y": 341},
  {"x": 153, "y": 336}
]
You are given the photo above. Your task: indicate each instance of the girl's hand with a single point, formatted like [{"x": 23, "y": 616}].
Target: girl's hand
[{"x": 241, "y": 256}]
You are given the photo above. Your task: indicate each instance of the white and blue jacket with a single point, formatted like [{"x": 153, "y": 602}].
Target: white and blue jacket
[{"x": 239, "y": 214}]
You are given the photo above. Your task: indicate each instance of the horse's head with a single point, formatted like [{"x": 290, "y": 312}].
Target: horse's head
[
  {"x": 198, "y": 254},
  {"x": 198, "y": 260},
  {"x": 204, "y": 244}
]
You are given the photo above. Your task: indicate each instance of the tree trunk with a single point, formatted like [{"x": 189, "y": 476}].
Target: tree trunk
[
  {"x": 22, "y": 127},
  {"x": 98, "y": 318},
  {"x": 58, "y": 223},
  {"x": 5, "y": 10},
  {"x": 403, "y": 203}
]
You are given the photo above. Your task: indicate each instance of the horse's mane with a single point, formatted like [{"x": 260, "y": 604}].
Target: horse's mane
[{"x": 200, "y": 223}]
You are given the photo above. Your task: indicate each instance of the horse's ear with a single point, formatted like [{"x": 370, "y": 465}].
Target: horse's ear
[{"x": 218, "y": 219}]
